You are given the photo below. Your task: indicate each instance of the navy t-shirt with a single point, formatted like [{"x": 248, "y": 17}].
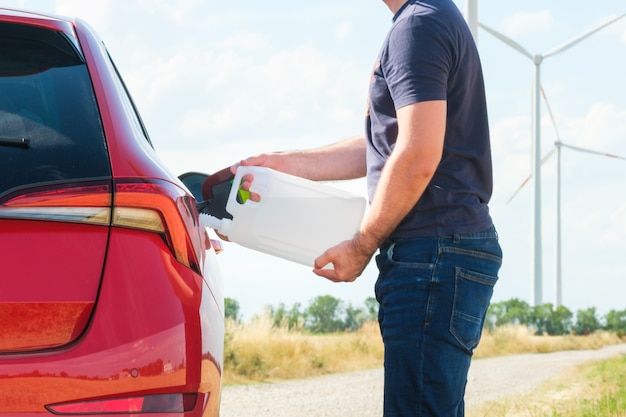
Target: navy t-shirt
[{"x": 429, "y": 54}]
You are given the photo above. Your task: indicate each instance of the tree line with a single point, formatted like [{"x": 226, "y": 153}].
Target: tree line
[
  {"x": 546, "y": 319},
  {"x": 327, "y": 314},
  {"x": 324, "y": 314}
]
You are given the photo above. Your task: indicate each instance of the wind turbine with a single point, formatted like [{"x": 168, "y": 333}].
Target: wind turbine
[
  {"x": 558, "y": 144},
  {"x": 536, "y": 260},
  {"x": 471, "y": 15}
]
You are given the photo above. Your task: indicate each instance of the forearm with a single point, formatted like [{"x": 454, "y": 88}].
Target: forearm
[
  {"x": 343, "y": 160},
  {"x": 398, "y": 191}
]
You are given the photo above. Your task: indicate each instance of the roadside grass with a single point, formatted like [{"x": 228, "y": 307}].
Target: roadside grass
[
  {"x": 257, "y": 351},
  {"x": 260, "y": 352},
  {"x": 596, "y": 389},
  {"x": 512, "y": 340}
]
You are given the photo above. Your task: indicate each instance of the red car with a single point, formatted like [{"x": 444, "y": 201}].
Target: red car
[{"x": 110, "y": 298}]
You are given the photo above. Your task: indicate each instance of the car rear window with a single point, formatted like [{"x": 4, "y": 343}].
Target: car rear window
[{"x": 50, "y": 128}]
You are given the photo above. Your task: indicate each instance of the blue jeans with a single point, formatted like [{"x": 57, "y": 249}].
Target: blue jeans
[{"x": 433, "y": 295}]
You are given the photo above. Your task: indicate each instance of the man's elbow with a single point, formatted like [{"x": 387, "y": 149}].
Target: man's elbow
[{"x": 426, "y": 168}]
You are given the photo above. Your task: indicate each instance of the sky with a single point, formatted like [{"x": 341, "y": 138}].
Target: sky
[{"x": 217, "y": 81}]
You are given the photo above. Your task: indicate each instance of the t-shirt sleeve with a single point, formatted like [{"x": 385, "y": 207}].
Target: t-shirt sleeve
[{"x": 416, "y": 62}]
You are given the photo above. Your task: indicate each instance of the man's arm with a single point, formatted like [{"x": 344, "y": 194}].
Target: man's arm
[
  {"x": 409, "y": 169},
  {"x": 343, "y": 160}
]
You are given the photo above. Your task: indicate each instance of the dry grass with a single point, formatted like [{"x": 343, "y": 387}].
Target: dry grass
[
  {"x": 563, "y": 389},
  {"x": 590, "y": 390},
  {"x": 259, "y": 352},
  {"x": 511, "y": 340}
]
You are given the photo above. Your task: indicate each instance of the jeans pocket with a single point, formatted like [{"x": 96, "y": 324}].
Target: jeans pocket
[{"x": 472, "y": 294}]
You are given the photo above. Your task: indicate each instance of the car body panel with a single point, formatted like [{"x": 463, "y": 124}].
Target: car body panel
[{"x": 49, "y": 314}]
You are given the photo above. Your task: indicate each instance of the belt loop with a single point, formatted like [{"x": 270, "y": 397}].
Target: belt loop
[{"x": 456, "y": 238}]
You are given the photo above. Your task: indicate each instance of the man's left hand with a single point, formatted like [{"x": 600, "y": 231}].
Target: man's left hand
[{"x": 348, "y": 259}]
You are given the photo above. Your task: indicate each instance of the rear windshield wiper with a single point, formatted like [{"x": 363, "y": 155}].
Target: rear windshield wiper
[{"x": 17, "y": 142}]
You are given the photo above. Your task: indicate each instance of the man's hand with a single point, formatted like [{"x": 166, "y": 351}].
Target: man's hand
[
  {"x": 263, "y": 160},
  {"x": 349, "y": 259},
  {"x": 246, "y": 184}
]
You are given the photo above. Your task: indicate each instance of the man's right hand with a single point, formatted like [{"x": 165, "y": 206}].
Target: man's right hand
[{"x": 272, "y": 161}]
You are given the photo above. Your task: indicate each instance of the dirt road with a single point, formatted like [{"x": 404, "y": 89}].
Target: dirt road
[{"x": 359, "y": 394}]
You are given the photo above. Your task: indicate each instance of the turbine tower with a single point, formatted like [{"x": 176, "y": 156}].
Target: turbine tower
[
  {"x": 536, "y": 259},
  {"x": 471, "y": 15}
]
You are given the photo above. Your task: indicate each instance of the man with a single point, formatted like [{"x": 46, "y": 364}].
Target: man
[{"x": 426, "y": 154}]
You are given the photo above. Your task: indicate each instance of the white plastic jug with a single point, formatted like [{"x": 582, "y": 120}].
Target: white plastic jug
[{"x": 296, "y": 219}]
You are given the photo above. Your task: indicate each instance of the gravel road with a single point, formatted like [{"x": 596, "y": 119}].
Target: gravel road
[{"x": 359, "y": 394}]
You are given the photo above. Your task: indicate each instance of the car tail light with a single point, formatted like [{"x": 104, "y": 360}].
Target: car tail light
[
  {"x": 161, "y": 207},
  {"x": 164, "y": 403},
  {"x": 151, "y": 205},
  {"x": 84, "y": 203}
]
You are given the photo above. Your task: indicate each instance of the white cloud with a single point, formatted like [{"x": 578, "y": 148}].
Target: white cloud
[
  {"x": 523, "y": 23},
  {"x": 343, "y": 30},
  {"x": 202, "y": 121},
  {"x": 97, "y": 14},
  {"x": 616, "y": 234},
  {"x": 510, "y": 141},
  {"x": 603, "y": 128},
  {"x": 511, "y": 134},
  {"x": 266, "y": 89},
  {"x": 177, "y": 11}
]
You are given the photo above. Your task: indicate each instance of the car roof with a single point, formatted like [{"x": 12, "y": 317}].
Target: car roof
[
  {"x": 31, "y": 14},
  {"x": 47, "y": 20}
]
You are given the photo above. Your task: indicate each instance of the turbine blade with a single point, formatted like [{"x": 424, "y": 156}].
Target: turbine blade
[
  {"x": 518, "y": 189},
  {"x": 548, "y": 156},
  {"x": 591, "y": 151},
  {"x": 543, "y": 161},
  {"x": 556, "y": 130},
  {"x": 580, "y": 38},
  {"x": 507, "y": 40}
]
